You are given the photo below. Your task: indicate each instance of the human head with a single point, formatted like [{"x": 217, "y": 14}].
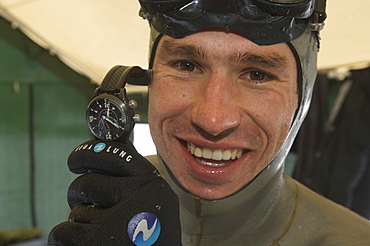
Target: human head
[{"x": 249, "y": 21}]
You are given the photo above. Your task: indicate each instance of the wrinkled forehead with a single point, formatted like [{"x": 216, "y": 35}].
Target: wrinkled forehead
[{"x": 225, "y": 45}]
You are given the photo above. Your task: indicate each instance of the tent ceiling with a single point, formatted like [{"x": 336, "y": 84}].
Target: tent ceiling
[{"x": 91, "y": 36}]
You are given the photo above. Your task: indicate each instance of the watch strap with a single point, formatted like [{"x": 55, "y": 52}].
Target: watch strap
[
  {"x": 114, "y": 80},
  {"x": 119, "y": 75}
]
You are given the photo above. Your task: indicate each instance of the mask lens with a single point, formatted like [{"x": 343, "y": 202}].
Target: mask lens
[
  {"x": 287, "y": 1},
  {"x": 193, "y": 8},
  {"x": 162, "y": 5},
  {"x": 294, "y": 8}
]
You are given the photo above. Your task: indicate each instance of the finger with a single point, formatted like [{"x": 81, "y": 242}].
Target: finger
[
  {"x": 86, "y": 214},
  {"x": 113, "y": 158},
  {"x": 115, "y": 226},
  {"x": 104, "y": 190},
  {"x": 68, "y": 234}
]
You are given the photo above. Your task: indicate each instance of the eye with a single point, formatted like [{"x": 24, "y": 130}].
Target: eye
[
  {"x": 257, "y": 75},
  {"x": 187, "y": 66}
]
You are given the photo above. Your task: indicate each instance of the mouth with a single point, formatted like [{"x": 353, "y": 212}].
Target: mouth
[{"x": 214, "y": 157}]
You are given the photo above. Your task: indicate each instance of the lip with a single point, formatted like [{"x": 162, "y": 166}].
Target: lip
[{"x": 211, "y": 174}]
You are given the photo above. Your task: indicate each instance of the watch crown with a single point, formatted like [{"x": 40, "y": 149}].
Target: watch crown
[
  {"x": 136, "y": 118},
  {"x": 132, "y": 104}
]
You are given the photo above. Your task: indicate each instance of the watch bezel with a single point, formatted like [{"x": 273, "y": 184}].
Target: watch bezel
[{"x": 122, "y": 107}]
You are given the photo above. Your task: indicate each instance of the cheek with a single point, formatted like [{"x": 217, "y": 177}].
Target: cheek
[
  {"x": 161, "y": 102},
  {"x": 156, "y": 110},
  {"x": 168, "y": 98},
  {"x": 167, "y": 103},
  {"x": 274, "y": 113},
  {"x": 283, "y": 115},
  {"x": 155, "y": 117},
  {"x": 280, "y": 112}
]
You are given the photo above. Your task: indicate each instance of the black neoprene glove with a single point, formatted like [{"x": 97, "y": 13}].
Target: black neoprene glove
[{"x": 119, "y": 200}]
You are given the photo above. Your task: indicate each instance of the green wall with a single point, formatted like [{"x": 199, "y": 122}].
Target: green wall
[{"x": 43, "y": 106}]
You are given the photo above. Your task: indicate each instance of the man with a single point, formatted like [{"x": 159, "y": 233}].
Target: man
[{"x": 232, "y": 81}]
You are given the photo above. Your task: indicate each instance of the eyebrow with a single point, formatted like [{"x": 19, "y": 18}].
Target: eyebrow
[
  {"x": 271, "y": 60},
  {"x": 267, "y": 60},
  {"x": 172, "y": 48}
]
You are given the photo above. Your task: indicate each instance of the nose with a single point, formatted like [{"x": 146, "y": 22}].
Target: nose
[{"x": 216, "y": 110}]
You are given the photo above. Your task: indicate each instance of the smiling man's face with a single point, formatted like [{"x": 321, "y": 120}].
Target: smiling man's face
[{"x": 220, "y": 108}]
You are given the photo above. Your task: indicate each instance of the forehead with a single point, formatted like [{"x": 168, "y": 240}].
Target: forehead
[{"x": 225, "y": 45}]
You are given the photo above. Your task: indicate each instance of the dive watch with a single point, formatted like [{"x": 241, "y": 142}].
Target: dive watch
[{"x": 110, "y": 115}]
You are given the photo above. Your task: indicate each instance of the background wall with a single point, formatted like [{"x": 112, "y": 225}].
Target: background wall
[{"x": 43, "y": 105}]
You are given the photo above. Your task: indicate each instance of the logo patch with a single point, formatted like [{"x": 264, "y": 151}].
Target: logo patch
[
  {"x": 144, "y": 229},
  {"x": 99, "y": 147}
]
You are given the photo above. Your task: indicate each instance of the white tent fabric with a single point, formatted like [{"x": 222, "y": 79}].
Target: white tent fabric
[
  {"x": 91, "y": 36},
  {"x": 345, "y": 39}
]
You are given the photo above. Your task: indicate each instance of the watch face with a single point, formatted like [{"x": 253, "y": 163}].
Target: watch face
[{"x": 106, "y": 117}]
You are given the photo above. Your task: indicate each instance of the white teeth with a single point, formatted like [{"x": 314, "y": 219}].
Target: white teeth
[
  {"x": 207, "y": 153},
  {"x": 227, "y": 155},
  {"x": 215, "y": 154},
  {"x": 198, "y": 152}
]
